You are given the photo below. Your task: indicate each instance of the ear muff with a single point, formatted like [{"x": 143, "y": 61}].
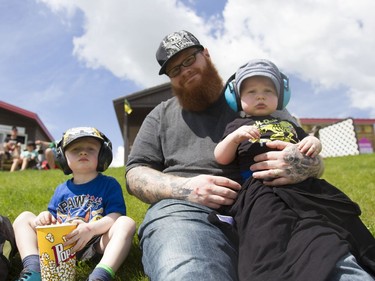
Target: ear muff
[
  {"x": 105, "y": 156},
  {"x": 285, "y": 93},
  {"x": 61, "y": 160},
  {"x": 233, "y": 98},
  {"x": 231, "y": 95}
]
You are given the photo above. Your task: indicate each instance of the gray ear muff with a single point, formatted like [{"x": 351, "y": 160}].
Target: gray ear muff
[
  {"x": 105, "y": 155},
  {"x": 61, "y": 160}
]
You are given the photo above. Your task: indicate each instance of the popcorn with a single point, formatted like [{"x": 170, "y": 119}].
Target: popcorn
[
  {"x": 50, "y": 237},
  {"x": 57, "y": 262}
]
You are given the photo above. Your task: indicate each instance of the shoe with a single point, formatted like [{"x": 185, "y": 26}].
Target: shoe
[
  {"x": 29, "y": 275},
  {"x": 7, "y": 239}
]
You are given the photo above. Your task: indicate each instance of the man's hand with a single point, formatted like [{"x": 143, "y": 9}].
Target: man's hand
[
  {"x": 152, "y": 186},
  {"x": 287, "y": 166},
  {"x": 210, "y": 191}
]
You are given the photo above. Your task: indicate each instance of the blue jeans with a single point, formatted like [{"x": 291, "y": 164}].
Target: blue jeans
[
  {"x": 179, "y": 243},
  {"x": 347, "y": 269}
]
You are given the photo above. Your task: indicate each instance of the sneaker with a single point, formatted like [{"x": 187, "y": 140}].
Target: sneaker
[
  {"x": 29, "y": 275},
  {"x": 8, "y": 246}
]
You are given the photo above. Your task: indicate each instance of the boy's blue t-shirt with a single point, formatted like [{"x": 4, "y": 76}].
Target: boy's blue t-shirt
[{"x": 90, "y": 201}]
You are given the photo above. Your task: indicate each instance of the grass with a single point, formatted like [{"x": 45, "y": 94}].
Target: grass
[
  {"x": 355, "y": 176},
  {"x": 31, "y": 190}
]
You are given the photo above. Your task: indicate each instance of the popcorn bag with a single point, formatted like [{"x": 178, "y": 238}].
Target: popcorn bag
[{"x": 57, "y": 263}]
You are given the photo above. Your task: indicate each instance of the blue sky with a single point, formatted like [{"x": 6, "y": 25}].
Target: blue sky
[{"x": 67, "y": 60}]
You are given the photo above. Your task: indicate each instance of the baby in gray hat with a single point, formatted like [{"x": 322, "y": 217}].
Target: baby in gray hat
[
  {"x": 280, "y": 229},
  {"x": 260, "y": 89}
]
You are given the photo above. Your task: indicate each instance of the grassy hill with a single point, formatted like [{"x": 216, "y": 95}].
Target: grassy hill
[{"x": 31, "y": 190}]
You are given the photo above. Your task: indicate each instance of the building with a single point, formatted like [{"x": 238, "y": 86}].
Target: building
[
  {"x": 144, "y": 101},
  {"x": 28, "y": 124}
]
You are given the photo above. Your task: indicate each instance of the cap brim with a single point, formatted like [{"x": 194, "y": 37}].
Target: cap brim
[{"x": 80, "y": 137}]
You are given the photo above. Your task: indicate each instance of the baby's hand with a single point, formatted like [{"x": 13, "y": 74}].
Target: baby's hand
[
  {"x": 250, "y": 133},
  {"x": 310, "y": 146}
]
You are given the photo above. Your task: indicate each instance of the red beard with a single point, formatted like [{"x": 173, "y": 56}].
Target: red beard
[{"x": 201, "y": 96}]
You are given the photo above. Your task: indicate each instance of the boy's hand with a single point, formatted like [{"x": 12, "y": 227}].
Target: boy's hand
[
  {"x": 44, "y": 218},
  {"x": 79, "y": 236}
]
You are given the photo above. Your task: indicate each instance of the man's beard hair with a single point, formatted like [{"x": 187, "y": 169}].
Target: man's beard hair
[{"x": 201, "y": 96}]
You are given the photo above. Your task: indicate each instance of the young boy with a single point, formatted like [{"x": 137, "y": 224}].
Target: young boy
[
  {"x": 89, "y": 199},
  {"x": 296, "y": 232},
  {"x": 28, "y": 158}
]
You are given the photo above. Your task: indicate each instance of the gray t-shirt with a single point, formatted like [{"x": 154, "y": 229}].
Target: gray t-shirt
[{"x": 180, "y": 142}]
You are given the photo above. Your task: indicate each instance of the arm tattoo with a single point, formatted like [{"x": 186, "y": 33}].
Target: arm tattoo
[
  {"x": 151, "y": 186},
  {"x": 180, "y": 189}
]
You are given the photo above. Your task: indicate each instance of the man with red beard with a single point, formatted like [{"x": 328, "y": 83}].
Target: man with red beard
[{"x": 172, "y": 166}]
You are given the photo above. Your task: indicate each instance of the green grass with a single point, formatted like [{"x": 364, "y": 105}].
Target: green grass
[
  {"x": 355, "y": 176},
  {"x": 31, "y": 190}
]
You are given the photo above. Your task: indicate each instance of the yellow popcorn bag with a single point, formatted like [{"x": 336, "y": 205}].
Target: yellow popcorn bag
[{"x": 57, "y": 263}]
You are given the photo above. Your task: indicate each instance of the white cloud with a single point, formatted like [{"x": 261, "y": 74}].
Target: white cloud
[
  {"x": 118, "y": 157},
  {"x": 328, "y": 43}
]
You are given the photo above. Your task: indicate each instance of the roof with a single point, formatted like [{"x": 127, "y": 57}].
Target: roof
[
  {"x": 27, "y": 114},
  {"x": 358, "y": 121},
  {"x": 145, "y": 99}
]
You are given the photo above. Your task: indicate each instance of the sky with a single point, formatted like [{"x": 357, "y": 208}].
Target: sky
[{"x": 68, "y": 60}]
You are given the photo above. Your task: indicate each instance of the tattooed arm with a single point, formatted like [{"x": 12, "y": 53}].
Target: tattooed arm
[
  {"x": 151, "y": 186},
  {"x": 287, "y": 166}
]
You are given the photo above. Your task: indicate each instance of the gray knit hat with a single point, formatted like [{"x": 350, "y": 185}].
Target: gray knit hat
[
  {"x": 259, "y": 67},
  {"x": 172, "y": 44}
]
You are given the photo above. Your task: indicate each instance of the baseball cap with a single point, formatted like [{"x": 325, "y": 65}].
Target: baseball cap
[
  {"x": 30, "y": 142},
  {"x": 259, "y": 67},
  {"x": 74, "y": 134},
  {"x": 172, "y": 44}
]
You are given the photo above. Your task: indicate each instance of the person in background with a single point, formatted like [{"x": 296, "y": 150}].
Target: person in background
[
  {"x": 172, "y": 167},
  {"x": 271, "y": 221},
  {"x": 103, "y": 229},
  {"x": 50, "y": 153},
  {"x": 12, "y": 144},
  {"x": 27, "y": 159}
]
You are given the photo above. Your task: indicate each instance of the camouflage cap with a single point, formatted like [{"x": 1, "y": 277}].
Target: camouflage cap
[
  {"x": 80, "y": 132},
  {"x": 172, "y": 44}
]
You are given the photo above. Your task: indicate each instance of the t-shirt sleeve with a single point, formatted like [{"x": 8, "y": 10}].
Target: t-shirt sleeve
[
  {"x": 146, "y": 150},
  {"x": 52, "y": 205},
  {"x": 115, "y": 202},
  {"x": 235, "y": 124}
]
